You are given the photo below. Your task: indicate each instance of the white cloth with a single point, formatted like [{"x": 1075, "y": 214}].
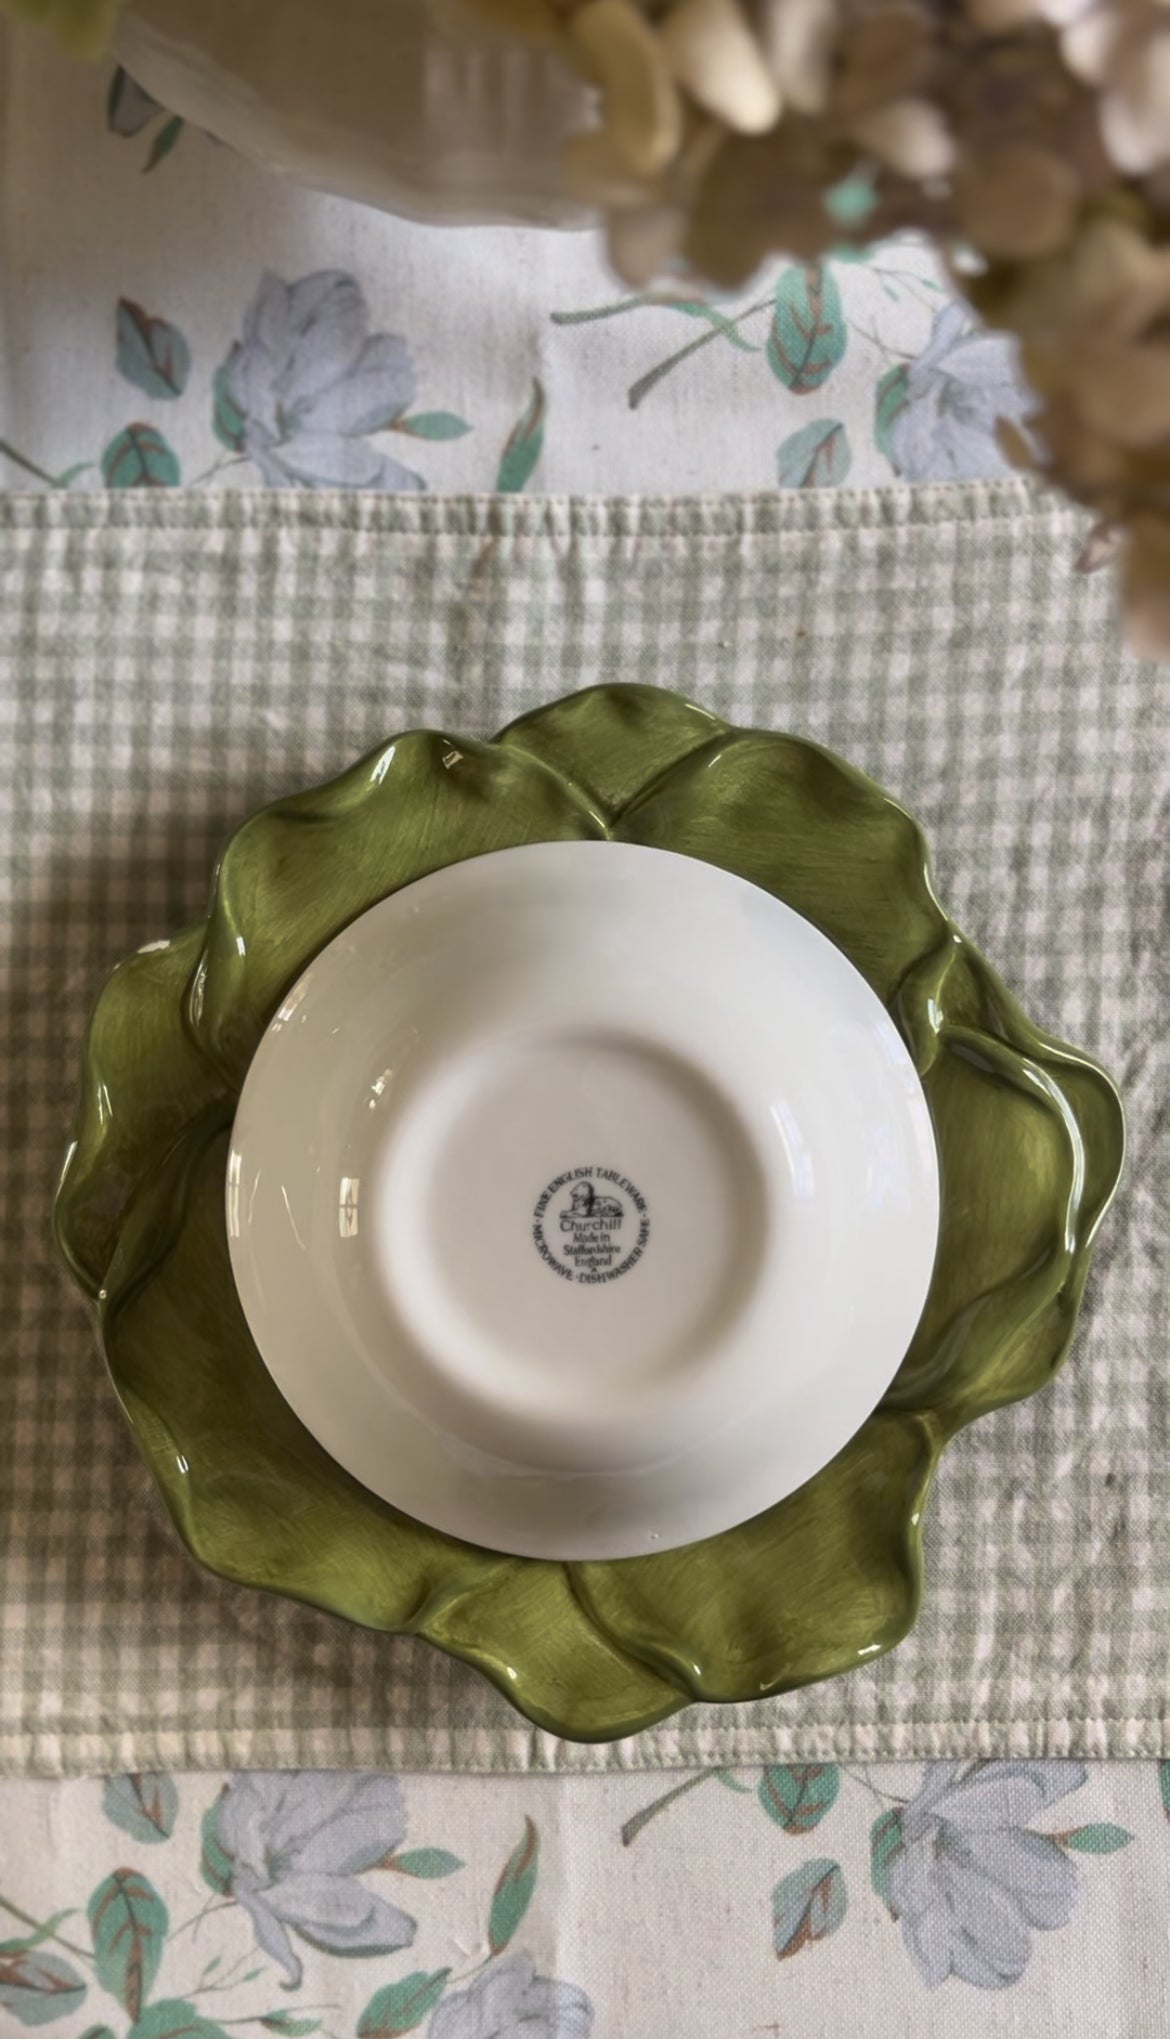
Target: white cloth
[
  {"x": 742, "y": 1911},
  {"x": 864, "y": 372}
]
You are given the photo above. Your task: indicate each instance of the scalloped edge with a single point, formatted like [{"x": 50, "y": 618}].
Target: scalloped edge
[{"x": 542, "y": 737}]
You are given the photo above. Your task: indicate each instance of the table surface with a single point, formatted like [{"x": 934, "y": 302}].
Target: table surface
[{"x": 945, "y": 1898}]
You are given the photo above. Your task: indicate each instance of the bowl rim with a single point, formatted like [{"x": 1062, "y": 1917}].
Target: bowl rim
[{"x": 845, "y": 1106}]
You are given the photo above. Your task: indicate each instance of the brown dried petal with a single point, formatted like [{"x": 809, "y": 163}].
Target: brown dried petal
[
  {"x": 765, "y": 197},
  {"x": 1135, "y": 112},
  {"x": 1092, "y": 43},
  {"x": 1018, "y": 90},
  {"x": 1002, "y": 17},
  {"x": 1017, "y": 203},
  {"x": 1110, "y": 280},
  {"x": 715, "y": 57},
  {"x": 1121, "y": 388},
  {"x": 1016, "y": 447},
  {"x": 797, "y": 38},
  {"x": 1146, "y": 585},
  {"x": 644, "y": 241},
  {"x": 1100, "y": 548},
  {"x": 886, "y": 55},
  {"x": 910, "y": 136},
  {"x": 594, "y": 172},
  {"x": 643, "y": 112},
  {"x": 534, "y": 21},
  {"x": 1088, "y": 466}
]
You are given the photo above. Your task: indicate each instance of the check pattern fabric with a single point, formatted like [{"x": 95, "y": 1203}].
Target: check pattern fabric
[{"x": 169, "y": 663}]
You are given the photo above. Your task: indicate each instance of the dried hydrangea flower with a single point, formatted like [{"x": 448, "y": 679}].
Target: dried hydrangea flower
[
  {"x": 1124, "y": 50},
  {"x": 1029, "y": 138}
]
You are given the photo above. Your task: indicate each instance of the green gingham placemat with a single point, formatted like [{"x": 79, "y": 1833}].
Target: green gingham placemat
[{"x": 167, "y": 663}]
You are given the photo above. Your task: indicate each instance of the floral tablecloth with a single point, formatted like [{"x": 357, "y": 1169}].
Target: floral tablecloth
[
  {"x": 169, "y": 316},
  {"x": 172, "y": 315},
  {"x": 892, "y": 1902}
]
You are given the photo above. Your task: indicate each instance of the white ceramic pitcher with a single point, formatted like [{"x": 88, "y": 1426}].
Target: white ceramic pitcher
[{"x": 408, "y": 105}]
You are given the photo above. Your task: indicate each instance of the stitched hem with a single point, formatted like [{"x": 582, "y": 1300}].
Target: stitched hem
[
  {"x": 550, "y": 517},
  {"x": 514, "y": 1751}
]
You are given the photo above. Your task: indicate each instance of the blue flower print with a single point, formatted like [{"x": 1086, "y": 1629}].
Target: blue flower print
[
  {"x": 296, "y": 1845},
  {"x": 952, "y": 398},
  {"x": 309, "y": 382},
  {"x": 509, "y": 2000},
  {"x": 971, "y": 1881}
]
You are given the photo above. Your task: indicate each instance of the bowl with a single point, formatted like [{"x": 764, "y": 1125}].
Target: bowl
[
  {"x": 1028, "y": 1133},
  {"x": 561, "y": 1187}
]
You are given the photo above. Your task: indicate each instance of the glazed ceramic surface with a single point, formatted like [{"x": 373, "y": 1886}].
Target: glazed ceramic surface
[
  {"x": 561, "y": 1190},
  {"x": 1029, "y": 1137}
]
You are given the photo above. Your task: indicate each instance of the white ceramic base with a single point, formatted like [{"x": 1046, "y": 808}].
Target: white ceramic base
[
  {"x": 582, "y": 1200},
  {"x": 513, "y": 1233}
]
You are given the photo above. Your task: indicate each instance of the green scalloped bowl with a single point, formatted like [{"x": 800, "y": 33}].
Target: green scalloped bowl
[{"x": 1030, "y": 1136}]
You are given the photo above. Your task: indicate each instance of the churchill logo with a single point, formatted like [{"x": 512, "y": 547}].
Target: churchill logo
[
  {"x": 602, "y": 1225},
  {"x": 588, "y": 1212}
]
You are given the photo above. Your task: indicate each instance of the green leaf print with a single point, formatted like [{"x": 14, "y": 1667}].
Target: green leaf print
[
  {"x": 289, "y": 2026},
  {"x": 138, "y": 457},
  {"x": 151, "y": 353},
  {"x": 690, "y": 308},
  {"x": 433, "y": 425},
  {"x": 889, "y": 401},
  {"x": 128, "y": 108},
  {"x": 39, "y": 473},
  {"x": 428, "y": 1862},
  {"x": 606, "y": 311},
  {"x": 144, "y": 1804},
  {"x": 808, "y": 335},
  {"x": 798, "y": 1795},
  {"x": 807, "y": 1906},
  {"x": 227, "y": 418},
  {"x": 35, "y": 1939},
  {"x": 525, "y": 441},
  {"x": 98, "y": 2032},
  {"x": 885, "y": 1845},
  {"x": 129, "y": 1922},
  {"x": 1164, "y": 1787},
  {"x": 1098, "y": 1839},
  {"x": 513, "y": 1892},
  {"x": 215, "y": 1864},
  {"x": 721, "y": 325},
  {"x": 37, "y": 1988},
  {"x": 817, "y": 457},
  {"x": 164, "y": 142},
  {"x": 174, "y": 2019},
  {"x": 402, "y": 2005},
  {"x": 634, "y": 1825},
  {"x": 851, "y": 202},
  {"x": 717, "y": 320}
]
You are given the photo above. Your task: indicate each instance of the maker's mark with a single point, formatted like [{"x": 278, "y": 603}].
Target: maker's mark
[{"x": 602, "y": 1225}]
